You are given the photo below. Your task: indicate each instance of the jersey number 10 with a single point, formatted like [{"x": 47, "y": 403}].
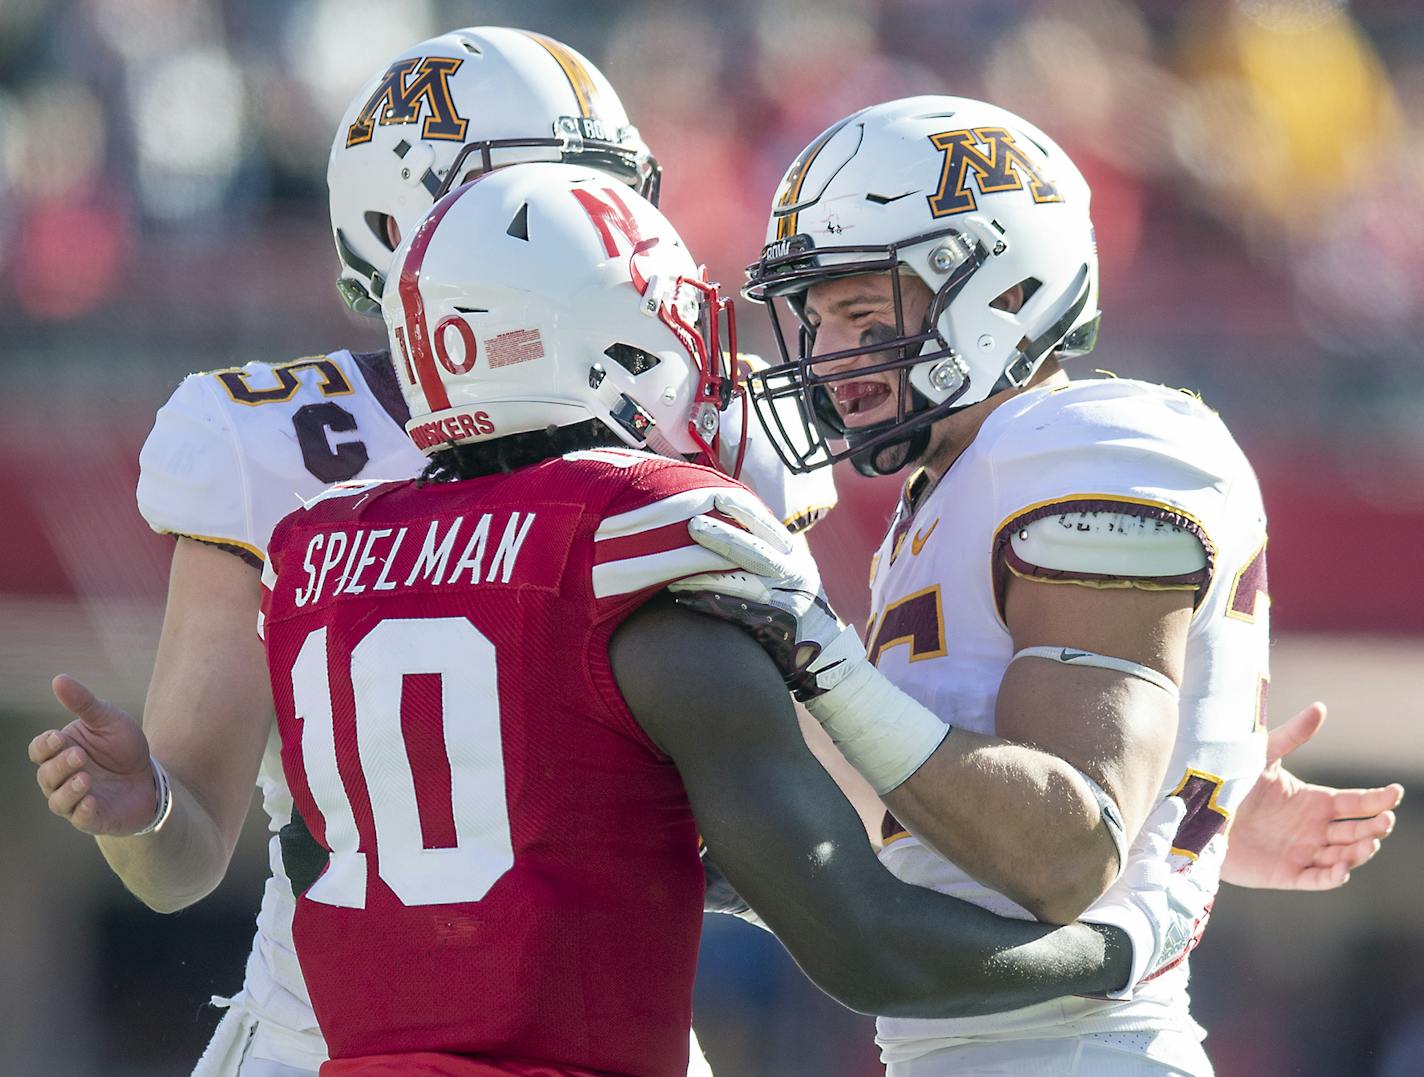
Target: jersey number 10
[{"x": 463, "y": 659}]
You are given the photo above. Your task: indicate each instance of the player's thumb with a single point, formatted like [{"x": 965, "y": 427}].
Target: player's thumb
[{"x": 98, "y": 714}]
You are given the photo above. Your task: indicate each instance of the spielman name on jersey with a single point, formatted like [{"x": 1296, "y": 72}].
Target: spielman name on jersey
[{"x": 384, "y": 558}]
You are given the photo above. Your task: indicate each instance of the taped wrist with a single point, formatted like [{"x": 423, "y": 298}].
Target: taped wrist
[{"x": 882, "y": 732}]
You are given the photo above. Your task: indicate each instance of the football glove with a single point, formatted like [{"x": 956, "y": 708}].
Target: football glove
[
  {"x": 1163, "y": 911},
  {"x": 777, "y": 599}
]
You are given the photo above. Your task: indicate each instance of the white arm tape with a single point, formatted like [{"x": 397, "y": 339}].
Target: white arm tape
[
  {"x": 1070, "y": 656},
  {"x": 882, "y": 732}
]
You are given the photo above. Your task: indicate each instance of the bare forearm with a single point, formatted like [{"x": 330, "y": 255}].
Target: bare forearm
[
  {"x": 177, "y": 865},
  {"x": 1016, "y": 819}
]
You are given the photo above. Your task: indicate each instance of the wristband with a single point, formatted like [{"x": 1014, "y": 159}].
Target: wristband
[
  {"x": 165, "y": 800},
  {"x": 882, "y": 732}
]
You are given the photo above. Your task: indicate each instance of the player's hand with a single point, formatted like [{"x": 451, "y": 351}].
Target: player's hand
[
  {"x": 96, "y": 771},
  {"x": 1291, "y": 835},
  {"x": 1163, "y": 911},
  {"x": 777, "y": 599}
]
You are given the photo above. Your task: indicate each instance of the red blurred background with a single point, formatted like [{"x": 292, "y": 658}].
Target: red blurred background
[{"x": 1258, "y": 169}]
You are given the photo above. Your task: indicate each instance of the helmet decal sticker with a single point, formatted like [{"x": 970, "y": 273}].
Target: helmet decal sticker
[
  {"x": 514, "y": 346},
  {"x": 616, "y": 218},
  {"x": 462, "y": 329},
  {"x": 999, "y": 166},
  {"x": 398, "y": 98}
]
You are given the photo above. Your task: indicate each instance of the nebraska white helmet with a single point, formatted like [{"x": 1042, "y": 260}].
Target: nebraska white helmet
[
  {"x": 548, "y": 295},
  {"x": 970, "y": 199},
  {"x": 450, "y": 108}
]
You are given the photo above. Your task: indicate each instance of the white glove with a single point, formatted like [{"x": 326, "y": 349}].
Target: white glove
[
  {"x": 778, "y": 600},
  {"x": 1163, "y": 911}
]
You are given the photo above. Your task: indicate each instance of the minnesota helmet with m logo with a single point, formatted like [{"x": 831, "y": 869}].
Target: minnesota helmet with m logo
[
  {"x": 971, "y": 200},
  {"x": 451, "y": 108}
]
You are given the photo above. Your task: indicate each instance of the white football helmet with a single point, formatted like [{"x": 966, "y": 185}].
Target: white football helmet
[
  {"x": 970, "y": 199},
  {"x": 548, "y": 295},
  {"x": 450, "y": 108}
]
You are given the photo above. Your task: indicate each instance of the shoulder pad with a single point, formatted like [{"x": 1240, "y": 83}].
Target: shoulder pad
[
  {"x": 1088, "y": 545},
  {"x": 191, "y": 471}
]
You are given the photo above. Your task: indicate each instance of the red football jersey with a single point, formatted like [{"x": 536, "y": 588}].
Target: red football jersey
[{"x": 514, "y": 883}]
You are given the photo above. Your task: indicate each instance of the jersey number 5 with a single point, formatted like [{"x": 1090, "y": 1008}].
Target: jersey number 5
[{"x": 390, "y": 675}]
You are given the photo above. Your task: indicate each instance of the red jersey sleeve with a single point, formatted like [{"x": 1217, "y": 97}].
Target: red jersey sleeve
[{"x": 642, "y": 543}]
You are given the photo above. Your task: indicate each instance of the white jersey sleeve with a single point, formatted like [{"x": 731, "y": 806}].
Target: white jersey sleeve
[
  {"x": 1114, "y": 483},
  {"x": 233, "y": 451}
]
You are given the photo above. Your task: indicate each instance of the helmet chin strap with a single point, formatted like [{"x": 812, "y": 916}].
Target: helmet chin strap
[{"x": 892, "y": 456}]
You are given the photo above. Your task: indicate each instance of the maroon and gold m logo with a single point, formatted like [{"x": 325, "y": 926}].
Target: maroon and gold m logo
[
  {"x": 997, "y": 163},
  {"x": 404, "y": 91}
]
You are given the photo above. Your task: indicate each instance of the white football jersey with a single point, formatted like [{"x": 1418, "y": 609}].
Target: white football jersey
[
  {"x": 230, "y": 454},
  {"x": 937, "y": 630}
]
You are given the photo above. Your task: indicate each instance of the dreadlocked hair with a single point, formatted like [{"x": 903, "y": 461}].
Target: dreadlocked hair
[{"x": 514, "y": 451}]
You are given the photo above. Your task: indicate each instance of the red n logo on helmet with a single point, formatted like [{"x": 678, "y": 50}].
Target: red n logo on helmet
[{"x": 614, "y": 220}]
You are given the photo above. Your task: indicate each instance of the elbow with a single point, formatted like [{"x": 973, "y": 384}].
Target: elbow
[
  {"x": 168, "y": 902},
  {"x": 164, "y": 903},
  {"x": 1061, "y": 892}
]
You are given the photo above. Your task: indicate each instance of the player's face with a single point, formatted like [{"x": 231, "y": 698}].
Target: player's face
[{"x": 857, "y": 312}]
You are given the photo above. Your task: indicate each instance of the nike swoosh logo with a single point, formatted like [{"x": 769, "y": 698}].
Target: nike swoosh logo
[
  {"x": 1068, "y": 656},
  {"x": 918, "y": 540},
  {"x": 886, "y": 199}
]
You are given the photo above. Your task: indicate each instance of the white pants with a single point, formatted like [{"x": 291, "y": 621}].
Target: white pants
[
  {"x": 1103, "y": 1054},
  {"x": 243, "y": 1046}
]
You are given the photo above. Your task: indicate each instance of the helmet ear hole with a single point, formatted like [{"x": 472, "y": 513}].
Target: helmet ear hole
[
  {"x": 384, "y": 227},
  {"x": 634, "y": 360},
  {"x": 1013, "y": 298}
]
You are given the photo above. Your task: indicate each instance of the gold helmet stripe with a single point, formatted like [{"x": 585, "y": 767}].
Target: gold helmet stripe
[
  {"x": 574, "y": 70},
  {"x": 796, "y": 176}
]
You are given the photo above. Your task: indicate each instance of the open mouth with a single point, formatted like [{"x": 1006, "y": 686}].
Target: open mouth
[{"x": 858, "y": 400}]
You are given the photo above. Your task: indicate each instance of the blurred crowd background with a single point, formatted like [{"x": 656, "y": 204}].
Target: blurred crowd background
[{"x": 1258, "y": 176}]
